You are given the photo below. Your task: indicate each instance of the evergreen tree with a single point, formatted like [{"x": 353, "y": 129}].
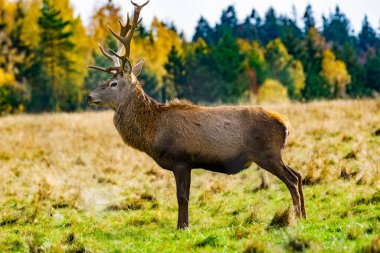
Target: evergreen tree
[
  {"x": 249, "y": 30},
  {"x": 202, "y": 76},
  {"x": 228, "y": 24},
  {"x": 55, "y": 41},
  {"x": 176, "y": 74},
  {"x": 271, "y": 28},
  {"x": 311, "y": 54},
  {"x": 337, "y": 28},
  {"x": 367, "y": 36},
  {"x": 291, "y": 34},
  {"x": 204, "y": 31},
  {"x": 229, "y": 64},
  {"x": 308, "y": 18},
  {"x": 372, "y": 72}
]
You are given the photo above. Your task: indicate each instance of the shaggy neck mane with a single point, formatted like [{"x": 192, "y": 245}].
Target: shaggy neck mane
[{"x": 136, "y": 119}]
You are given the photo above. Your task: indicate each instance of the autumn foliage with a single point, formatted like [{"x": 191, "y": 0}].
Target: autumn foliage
[{"x": 44, "y": 49}]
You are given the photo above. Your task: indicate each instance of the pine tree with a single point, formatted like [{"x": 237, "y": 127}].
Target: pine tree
[
  {"x": 204, "y": 31},
  {"x": 367, "y": 36},
  {"x": 270, "y": 29},
  {"x": 337, "y": 28},
  {"x": 202, "y": 76},
  {"x": 308, "y": 18},
  {"x": 229, "y": 64},
  {"x": 249, "y": 30},
  {"x": 228, "y": 24},
  {"x": 311, "y": 54},
  {"x": 55, "y": 41},
  {"x": 372, "y": 72},
  {"x": 175, "y": 77}
]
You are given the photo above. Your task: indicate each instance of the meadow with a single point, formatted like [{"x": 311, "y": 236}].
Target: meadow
[{"x": 69, "y": 184}]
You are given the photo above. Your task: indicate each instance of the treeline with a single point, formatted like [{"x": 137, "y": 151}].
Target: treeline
[{"x": 44, "y": 49}]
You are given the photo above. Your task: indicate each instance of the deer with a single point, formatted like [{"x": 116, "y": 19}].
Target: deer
[{"x": 180, "y": 136}]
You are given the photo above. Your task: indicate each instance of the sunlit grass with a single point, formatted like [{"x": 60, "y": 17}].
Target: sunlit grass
[{"x": 68, "y": 183}]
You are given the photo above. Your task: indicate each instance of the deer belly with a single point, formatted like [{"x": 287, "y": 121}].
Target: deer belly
[{"x": 230, "y": 164}]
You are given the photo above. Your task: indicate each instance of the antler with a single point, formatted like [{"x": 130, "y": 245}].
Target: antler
[{"x": 124, "y": 38}]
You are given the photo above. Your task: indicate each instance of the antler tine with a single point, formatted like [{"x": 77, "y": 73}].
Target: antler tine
[
  {"x": 110, "y": 70},
  {"x": 139, "y": 7},
  {"x": 104, "y": 52},
  {"x": 125, "y": 28}
]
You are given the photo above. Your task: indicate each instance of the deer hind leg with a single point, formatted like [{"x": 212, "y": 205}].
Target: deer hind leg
[
  {"x": 300, "y": 190},
  {"x": 286, "y": 175}
]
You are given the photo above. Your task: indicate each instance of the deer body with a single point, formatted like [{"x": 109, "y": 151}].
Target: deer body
[
  {"x": 225, "y": 139},
  {"x": 180, "y": 136}
]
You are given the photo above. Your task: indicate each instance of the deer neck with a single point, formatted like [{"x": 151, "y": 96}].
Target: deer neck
[{"x": 136, "y": 120}]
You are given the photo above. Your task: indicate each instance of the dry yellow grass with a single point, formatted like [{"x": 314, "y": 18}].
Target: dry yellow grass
[{"x": 80, "y": 155}]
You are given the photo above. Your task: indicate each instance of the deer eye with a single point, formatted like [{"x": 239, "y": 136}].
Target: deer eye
[{"x": 113, "y": 84}]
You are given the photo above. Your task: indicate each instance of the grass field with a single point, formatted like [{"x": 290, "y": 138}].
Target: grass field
[{"x": 68, "y": 183}]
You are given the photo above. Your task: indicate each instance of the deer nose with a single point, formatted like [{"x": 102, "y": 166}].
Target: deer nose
[{"x": 89, "y": 98}]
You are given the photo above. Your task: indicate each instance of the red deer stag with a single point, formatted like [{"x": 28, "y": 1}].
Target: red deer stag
[{"x": 181, "y": 136}]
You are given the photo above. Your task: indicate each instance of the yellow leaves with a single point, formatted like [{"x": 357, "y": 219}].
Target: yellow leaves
[
  {"x": 6, "y": 77},
  {"x": 277, "y": 55},
  {"x": 155, "y": 51},
  {"x": 272, "y": 91},
  {"x": 334, "y": 71},
  {"x": 297, "y": 74},
  {"x": 9, "y": 9},
  {"x": 30, "y": 31},
  {"x": 106, "y": 15}
]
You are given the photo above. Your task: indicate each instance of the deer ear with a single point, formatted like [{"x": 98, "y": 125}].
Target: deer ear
[{"x": 136, "y": 70}]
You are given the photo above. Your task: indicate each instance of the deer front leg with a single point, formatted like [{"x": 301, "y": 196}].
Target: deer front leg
[{"x": 182, "y": 174}]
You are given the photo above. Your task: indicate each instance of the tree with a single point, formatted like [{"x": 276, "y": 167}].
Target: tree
[
  {"x": 335, "y": 74},
  {"x": 155, "y": 49},
  {"x": 13, "y": 91},
  {"x": 55, "y": 42},
  {"x": 284, "y": 68},
  {"x": 255, "y": 64},
  {"x": 228, "y": 24},
  {"x": 372, "y": 72},
  {"x": 367, "y": 36},
  {"x": 337, "y": 28},
  {"x": 204, "y": 31},
  {"x": 308, "y": 18},
  {"x": 291, "y": 34},
  {"x": 229, "y": 64},
  {"x": 107, "y": 14},
  {"x": 270, "y": 29},
  {"x": 249, "y": 30},
  {"x": 311, "y": 54},
  {"x": 203, "y": 80},
  {"x": 296, "y": 79},
  {"x": 175, "y": 77}
]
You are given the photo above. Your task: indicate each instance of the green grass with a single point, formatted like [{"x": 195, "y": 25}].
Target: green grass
[
  {"x": 342, "y": 217},
  {"x": 68, "y": 184}
]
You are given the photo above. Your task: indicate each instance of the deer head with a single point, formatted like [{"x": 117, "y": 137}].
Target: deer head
[{"x": 124, "y": 76}]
